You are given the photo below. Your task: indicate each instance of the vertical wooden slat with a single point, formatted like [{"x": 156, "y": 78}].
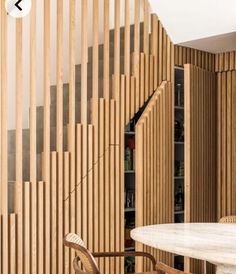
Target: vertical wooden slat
[
  {"x": 59, "y": 143},
  {"x": 219, "y": 143},
  {"x": 84, "y": 105},
  {"x": 101, "y": 179},
  {"x": 168, "y": 61},
  {"x": 122, "y": 179},
  {"x": 154, "y": 46},
  {"x": 71, "y": 127},
  {"x": 106, "y": 50},
  {"x": 233, "y": 174},
  {"x": 160, "y": 46},
  {"x": 127, "y": 61},
  {"x": 13, "y": 257},
  {"x": 90, "y": 187},
  {"x": 3, "y": 163},
  {"x": 41, "y": 220},
  {"x": 1, "y": 243},
  {"x": 32, "y": 93},
  {"x": 132, "y": 96},
  {"x": 46, "y": 156},
  {"x": 229, "y": 140},
  {"x": 146, "y": 46},
  {"x": 164, "y": 64},
  {"x": 136, "y": 52},
  {"x": 66, "y": 173},
  {"x": 27, "y": 228},
  {"x": 95, "y": 115},
  {"x": 199, "y": 151},
  {"x": 54, "y": 195},
  {"x": 116, "y": 88},
  {"x": 34, "y": 227},
  {"x": 79, "y": 179},
  {"x": 32, "y": 126},
  {"x": 19, "y": 142},
  {"x": 113, "y": 182},
  {"x": 142, "y": 87},
  {"x": 106, "y": 124}
]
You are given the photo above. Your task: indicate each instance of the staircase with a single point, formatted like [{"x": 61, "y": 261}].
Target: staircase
[{"x": 40, "y": 111}]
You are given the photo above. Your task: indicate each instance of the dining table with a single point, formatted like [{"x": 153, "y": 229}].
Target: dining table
[{"x": 211, "y": 242}]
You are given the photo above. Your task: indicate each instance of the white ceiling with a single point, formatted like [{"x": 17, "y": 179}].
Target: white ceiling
[{"x": 191, "y": 20}]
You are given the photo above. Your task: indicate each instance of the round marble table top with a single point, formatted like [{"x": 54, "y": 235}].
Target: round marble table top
[{"x": 212, "y": 242}]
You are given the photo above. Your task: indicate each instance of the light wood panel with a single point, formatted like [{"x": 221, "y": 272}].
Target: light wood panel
[
  {"x": 95, "y": 120},
  {"x": 154, "y": 168},
  {"x": 200, "y": 150},
  {"x": 225, "y": 61},
  {"x": 195, "y": 57},
  {"x": 81, "y": 160},
  {"x": 226, "y": 94},
  {"x": 4, "y": 140},
  {"x": 19, "y": 145}
]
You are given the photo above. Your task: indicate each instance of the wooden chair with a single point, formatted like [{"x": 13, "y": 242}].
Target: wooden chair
[
  {"x": 163, "y": 268},
  {"x": 89, "y": 263},
  {"x": 228, "y": 219}
]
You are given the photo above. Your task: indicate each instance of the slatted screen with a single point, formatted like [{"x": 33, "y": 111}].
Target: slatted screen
[
  {"x": 225, "y": 61},
  {"x": 226, "y": 134},
  {"x": 200, "y": 150},
  {"x": 154, "y": 168},
  {"x": 202, "y": 59},
  {"x": 68, "y": 166}
]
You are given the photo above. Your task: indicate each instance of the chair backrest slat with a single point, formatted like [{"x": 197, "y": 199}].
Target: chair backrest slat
[
  {"x": 228, "y": 219},
  {"x": 72, "y": 240}
]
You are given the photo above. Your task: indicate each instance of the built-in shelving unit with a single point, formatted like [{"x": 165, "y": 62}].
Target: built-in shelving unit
[
  {"x": 129, "y": 206},
  {"x": 129, "y": 192},
  {"x": 179, "y": 155}
]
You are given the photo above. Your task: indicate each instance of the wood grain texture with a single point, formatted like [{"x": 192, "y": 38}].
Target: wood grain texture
[
  {"x": 200, "y": 147},
  {"x": 226, "y": 89},
  {"x": 4, "y": 140},
  {"x": 19, "y": 146},
  {"x": 154, "y": 167},
  {"x": 225, "y": 61},
  {"x": 202, "y": 59},
  {"x": 81, "y": 165}
]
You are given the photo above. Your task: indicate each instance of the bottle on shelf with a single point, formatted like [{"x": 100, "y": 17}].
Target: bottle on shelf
[
  {"x": 178, "y": 94},
  {"x": 130, "y": 154},
  {"x": 127, "y": 158},
  {"x": 179, "y": 199}
]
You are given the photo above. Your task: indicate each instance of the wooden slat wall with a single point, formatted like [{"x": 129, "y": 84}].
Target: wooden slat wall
[
  {"x": 202, "y": 59},
  {"x": 3, "y": 145},
  {"x": 226, "y": 87},
  {"x": 200, "y": 150},
  {"x": 225, "y": 61},
  {"x": 82, "y": 168},
  {"x": 226, "y": 147},
  {"x": 154, "y": 167}
]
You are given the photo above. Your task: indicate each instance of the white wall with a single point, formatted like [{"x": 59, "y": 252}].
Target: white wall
[
  {"x": 187, "y": 20},
  {"x": 39, "y": 33}
]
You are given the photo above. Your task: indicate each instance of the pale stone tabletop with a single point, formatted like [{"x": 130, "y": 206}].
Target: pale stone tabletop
[{"x": 212, "y": 242}]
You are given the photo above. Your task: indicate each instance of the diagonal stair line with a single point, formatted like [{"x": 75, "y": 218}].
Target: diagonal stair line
[{"x": 91, "y": 169}]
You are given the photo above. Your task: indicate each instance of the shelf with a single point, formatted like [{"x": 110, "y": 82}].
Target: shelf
[
  {"x": 179, "y": 177},
  {"x": 179, "y": 143},
  {"x": 178, "y": 107},
  {"x": 130, "y": 171},
  {"x": 130, "y": 133},
  {"x": 130, "y": 209},
  {"x": 179, "y": 212},
  {"x": 129, "y": 248}
]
